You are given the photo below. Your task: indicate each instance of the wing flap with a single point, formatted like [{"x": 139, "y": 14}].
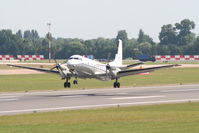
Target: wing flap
[
  {"x": 144, "y": 70},
  {"x": 130, "y": 66}
]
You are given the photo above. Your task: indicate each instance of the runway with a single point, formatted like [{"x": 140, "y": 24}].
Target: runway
[{"x": 32, "y": 102}]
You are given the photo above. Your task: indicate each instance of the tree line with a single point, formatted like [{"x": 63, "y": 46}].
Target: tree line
[{"x": 177, "y": 39}]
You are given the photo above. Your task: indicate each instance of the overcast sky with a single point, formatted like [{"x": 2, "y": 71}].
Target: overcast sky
[{"x": 88, "y": 19}]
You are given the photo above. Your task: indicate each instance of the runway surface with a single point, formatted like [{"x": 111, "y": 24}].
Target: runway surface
[{"x": 18, "y": 103}]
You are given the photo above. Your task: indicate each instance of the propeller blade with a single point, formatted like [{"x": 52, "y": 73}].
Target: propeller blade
[
  {"x": 56, "y": 61},
  {"x": 53, "y": 67},
  {"x": 108, "y": 67}
]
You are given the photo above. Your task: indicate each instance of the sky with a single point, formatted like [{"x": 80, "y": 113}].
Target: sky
[{"x": 89, "y": 19}]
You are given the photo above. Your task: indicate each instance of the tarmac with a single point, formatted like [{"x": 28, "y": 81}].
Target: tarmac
[{"x": 33, "y": 102}]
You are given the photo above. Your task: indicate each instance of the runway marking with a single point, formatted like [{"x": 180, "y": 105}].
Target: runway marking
[
  {"x": 140, "y": 97},
  {"x": 91, "y": 90},
  {"x": 70, "y": 96},
  {"x": 3, "y": 97},
  {"x": 4, "y": 100},
  {"x": 180, "y": 90},
  {"x": 121, "y": 93},
  {"x": 94, "y": 106}
]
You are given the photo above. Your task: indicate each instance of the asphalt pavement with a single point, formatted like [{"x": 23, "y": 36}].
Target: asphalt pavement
[{"x": 32, "y": 102}]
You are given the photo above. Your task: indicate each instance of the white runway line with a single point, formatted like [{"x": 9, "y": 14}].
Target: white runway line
[
  {"x": 180, "y": 90},
  {"x": 4, "y": 100},
  {"x": 95, "y": 106},
  {"x": 70, "y": 96},
  {"x": 140, "y": 97},
  {"x": 121, "y": 93},
  {"x": 4, "y": 97}
]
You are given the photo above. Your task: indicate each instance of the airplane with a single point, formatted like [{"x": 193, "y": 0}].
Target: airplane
[{"x": 79, "y": 66}]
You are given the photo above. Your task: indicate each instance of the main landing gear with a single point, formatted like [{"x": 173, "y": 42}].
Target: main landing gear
[
  {"x": 67, "y": 83},
  {"x": 116, "y": 84}
]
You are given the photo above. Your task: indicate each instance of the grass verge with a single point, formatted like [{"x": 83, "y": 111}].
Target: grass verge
[
  {"x": 174, "y": 118},
  {"x": 34, "y": 82}
]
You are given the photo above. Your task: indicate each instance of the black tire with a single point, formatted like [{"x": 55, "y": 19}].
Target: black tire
[
  {"x": 75, "y": 82},
  {"x": 68, "y": 84},
  {"x": 118, "y": 85},
  {"x": 65, "y": 85},
  {"x": 115, "y": 85}
]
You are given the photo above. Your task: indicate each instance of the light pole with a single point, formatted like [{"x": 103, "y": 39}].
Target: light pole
[{"x": 49, "y": 41}]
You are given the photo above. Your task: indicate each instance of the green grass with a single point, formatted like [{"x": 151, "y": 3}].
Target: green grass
[
  {"x": 34, "y": 82},
  {"x": 173, "y": 118}
]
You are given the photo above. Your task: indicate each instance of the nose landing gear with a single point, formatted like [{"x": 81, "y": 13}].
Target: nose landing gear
[{"x": 75, "y": 82}]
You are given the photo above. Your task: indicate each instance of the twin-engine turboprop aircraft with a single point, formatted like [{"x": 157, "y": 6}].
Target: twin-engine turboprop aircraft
[{"x": 81, "y": 67}]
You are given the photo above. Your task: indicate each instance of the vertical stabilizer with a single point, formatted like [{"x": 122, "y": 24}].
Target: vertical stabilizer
[{"x": 118, "y": 57}]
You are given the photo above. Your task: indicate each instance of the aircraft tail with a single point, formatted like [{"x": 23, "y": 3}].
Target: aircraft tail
[{"x": 118, "y": 57}]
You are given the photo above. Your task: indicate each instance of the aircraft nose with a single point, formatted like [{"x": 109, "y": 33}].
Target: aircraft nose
[{"x": 71, "y": 64}]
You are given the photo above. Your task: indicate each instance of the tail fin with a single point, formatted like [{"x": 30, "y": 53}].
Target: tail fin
[{"x": 118, "y": 57}]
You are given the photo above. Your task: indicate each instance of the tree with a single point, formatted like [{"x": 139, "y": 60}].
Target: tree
[
  {"x": 142, "y": 38},
  {"x": 10, "y": 43},
  {"x": 168, "y": 35},
  {"x": 27, "y": 34},
  {"x": 19, "y": 33},
  {"x": 185, "y": 35},
  {"x": 34, "y": 34},
  {"x": 145, "y": 48}
]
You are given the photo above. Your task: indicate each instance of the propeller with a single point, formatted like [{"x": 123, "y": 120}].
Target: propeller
[
  {"x": 108, "y": 67},
  {"x": 56, "y": 66}
]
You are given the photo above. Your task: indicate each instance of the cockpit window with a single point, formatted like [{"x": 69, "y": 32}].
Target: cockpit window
[{"x": 75, "y": 58}]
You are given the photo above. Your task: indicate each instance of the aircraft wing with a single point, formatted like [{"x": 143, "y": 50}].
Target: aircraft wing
[
  {"x": 137, "y": 71},
  {"x": 37, "y": 69},
  {"x": 130, "y": 66}
]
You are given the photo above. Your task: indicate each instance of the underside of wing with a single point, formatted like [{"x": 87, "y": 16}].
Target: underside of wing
[
  {"x": 144, "y": 70},
  {"x": 36, "y": 69}
]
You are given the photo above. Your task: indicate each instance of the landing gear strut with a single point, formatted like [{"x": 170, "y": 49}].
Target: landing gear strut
[
  {"x": 116, "y": 84},
  {"x": 67, "y": 84}
]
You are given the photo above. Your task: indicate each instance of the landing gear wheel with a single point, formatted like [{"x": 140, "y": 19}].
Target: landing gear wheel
[
  {"x": 75, "y": 82},
  {"x": 118, "y": 85},
  {"x": 67, "y": 84},
  {"x": 115, "y": 85}
]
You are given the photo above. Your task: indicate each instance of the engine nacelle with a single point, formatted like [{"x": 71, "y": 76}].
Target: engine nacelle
[
  {"x": 113, "y": 72},
  {"x": 63, "y": 71}
]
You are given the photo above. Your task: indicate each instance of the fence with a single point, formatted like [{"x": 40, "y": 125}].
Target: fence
[
  {"x": 6, "y": 57},
  {"x": 177, "y": 57},
  {"x": 30, "y": 57}
]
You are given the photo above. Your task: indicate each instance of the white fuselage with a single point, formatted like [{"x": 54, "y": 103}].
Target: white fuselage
[
  {"x": 86, "y": 68},
  {"x": 83, "y": 67}
]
